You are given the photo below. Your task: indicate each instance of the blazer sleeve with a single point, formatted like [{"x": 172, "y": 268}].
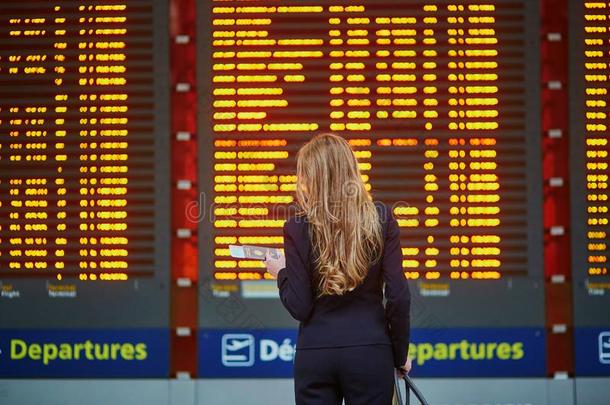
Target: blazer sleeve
[
  {"x": 294, "y": 281},
  {"x": 397, "y": 294}
]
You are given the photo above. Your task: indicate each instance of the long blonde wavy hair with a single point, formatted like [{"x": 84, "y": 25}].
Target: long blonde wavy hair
[{"x": 344, "y": 223}]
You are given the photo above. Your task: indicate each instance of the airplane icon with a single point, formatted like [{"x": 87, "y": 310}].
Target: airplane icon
[
  {"x": 604, "y": 347},
  {"x": 237, "y": 345},
  {"x": 237, "y": 350}
]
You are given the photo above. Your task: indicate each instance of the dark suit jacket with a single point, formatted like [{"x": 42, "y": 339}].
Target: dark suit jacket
[{"x": 358, "y": 317}]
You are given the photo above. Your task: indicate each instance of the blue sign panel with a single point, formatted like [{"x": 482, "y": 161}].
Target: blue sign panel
[
  {"x": 246, "y": 353},
  {"x": 474, "y": 352},
  {"x": 592, "y": 351},
  {"x": 84, "y": 353},
  {"x": 435, "y": 352}
]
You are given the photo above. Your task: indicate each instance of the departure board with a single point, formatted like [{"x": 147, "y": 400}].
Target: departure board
[
  {"x": 589, "y": 48},
  {"x": 83, "y": 158},
  {"x": 438, "y": 99},
  {"x": 590, "y": 137}
]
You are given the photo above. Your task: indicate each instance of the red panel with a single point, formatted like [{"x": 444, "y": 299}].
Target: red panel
[
  {"x": 184, "y": 167},
  {"x": 184, "y": 354},
  {"x": 554, "y": 67},
  {"x": 184, "y": 306}
]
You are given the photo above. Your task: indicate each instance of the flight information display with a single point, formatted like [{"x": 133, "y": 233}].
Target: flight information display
[
  {"x": 438, "y": 99},
  {"x": 589, "y": 48},
  {"x": 83, "y": 160},
  {"x": 590, "y": 139},
  {"x": 589, "y": 62}
]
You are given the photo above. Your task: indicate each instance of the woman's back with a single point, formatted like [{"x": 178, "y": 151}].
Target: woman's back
[{"x": 354, "y": 318}]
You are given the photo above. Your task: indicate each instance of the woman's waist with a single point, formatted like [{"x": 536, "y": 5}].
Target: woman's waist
[{"x": 317, "y": 333}]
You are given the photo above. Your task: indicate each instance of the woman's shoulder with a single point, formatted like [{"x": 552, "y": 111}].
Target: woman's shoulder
[
  {"x": 384, "y": 211},
  {"x": 295, "y": 223},
  {"x": 295, "y": 230}
]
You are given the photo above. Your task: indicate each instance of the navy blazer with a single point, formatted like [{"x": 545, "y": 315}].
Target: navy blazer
[{"x": 358, "y": 317}]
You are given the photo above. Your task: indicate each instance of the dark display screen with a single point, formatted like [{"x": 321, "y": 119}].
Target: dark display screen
[
  {"x": 589, "y": 162},
  {"x": 83, "y": 159},
  {"x": 440, "y": 103}
]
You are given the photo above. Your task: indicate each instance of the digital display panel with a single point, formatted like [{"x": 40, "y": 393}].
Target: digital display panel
[
  {"x": 589, "y": 47},
  {"x": 439, "y": 100},
  {"x": 591, "y": 138},
  {"x": 83, "y": 162}
]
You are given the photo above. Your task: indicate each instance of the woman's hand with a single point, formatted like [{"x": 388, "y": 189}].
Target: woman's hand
[
  {"x": 275, "y": 265},
  {"x": 407, "y": 367}
]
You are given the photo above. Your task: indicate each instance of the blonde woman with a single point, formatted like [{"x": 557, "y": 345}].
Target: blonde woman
[{"x": 340, "y": 252}]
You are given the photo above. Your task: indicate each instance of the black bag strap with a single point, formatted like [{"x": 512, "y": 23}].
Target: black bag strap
[
  {"x": 409, "y": 386},
  {"x": 397, "y": 393}
]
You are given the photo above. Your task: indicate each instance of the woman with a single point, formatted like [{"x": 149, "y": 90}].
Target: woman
[{"x": 339, "y": 252}]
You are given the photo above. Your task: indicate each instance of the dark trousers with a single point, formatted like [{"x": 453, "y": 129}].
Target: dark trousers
[{"x": 362, "y": 375}]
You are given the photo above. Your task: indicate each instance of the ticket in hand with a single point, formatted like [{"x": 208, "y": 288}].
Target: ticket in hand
[{"x": 253, "y": 252}]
